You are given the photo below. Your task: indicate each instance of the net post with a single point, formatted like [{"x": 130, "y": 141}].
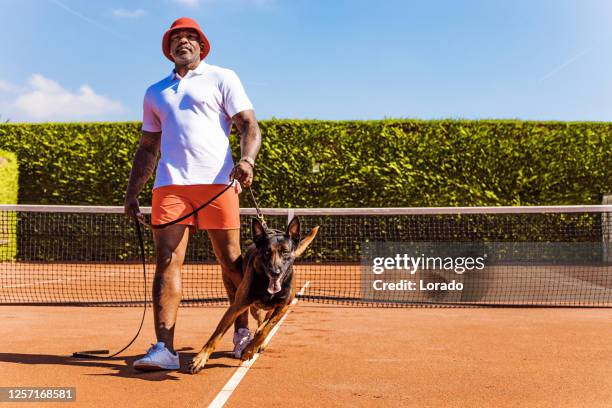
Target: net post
[{"x": 606, "y": 219}]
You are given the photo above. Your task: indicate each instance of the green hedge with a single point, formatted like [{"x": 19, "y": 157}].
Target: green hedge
[
  {"x": 8, "y": 195},
  {"x": 360, "y": 163},
  {"x": 84, "y": 163},
  {"x": 8, "y": 177}
]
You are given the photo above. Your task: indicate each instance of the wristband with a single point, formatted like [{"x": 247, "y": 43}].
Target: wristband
[{"x": 248, "y": 160}]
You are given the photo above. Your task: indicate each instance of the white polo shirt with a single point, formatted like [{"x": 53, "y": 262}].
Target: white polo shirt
[{"x": 194, "y": 114}]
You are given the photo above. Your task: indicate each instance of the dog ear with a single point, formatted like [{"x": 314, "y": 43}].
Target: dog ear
[
  {"x": 257, "y": 230},
  {"x": 306, "y": 241},
  {"x": 293, "y": 230}
]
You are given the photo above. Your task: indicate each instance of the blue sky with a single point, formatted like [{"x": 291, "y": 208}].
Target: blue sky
[{"x": 78, "y": 60}]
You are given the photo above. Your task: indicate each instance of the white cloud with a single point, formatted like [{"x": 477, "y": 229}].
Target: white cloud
[
  {"x": 6, "y": 86},
  {"x": 123, "y": 13},
  {"x": 45, "y": 99}
]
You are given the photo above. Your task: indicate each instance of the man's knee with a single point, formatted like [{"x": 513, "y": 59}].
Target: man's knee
[
  {"x": 232, "y": 264},
  {"x": 232, "y": 274},
  {"x": 226, "y": 244},
  {"x": 170, "y": 246},
  {"x": 165, "y": 259}
]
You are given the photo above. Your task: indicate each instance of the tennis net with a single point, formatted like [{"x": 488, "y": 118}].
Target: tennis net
[{"x": 531, "y": 256}]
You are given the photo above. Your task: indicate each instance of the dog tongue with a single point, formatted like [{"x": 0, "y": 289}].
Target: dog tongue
[{"x": 274, "y": 286}]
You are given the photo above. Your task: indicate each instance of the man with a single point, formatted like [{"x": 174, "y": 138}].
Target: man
[{"x": 187, "y": 119}]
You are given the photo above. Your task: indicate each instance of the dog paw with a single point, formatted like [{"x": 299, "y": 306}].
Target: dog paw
[
  {"x": 248, "y": 353},
  {"x": 197, "y": 364}
]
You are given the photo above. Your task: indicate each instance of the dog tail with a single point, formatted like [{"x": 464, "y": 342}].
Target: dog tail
[{"x": 306, "y": 241}]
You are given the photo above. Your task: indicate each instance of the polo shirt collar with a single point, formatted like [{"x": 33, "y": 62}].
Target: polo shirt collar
[{"x": 199, "y": 70}]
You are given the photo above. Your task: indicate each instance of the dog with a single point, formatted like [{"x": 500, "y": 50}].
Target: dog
[{"x": 267, "y": 286}]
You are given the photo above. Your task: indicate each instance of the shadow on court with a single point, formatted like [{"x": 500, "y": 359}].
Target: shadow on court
[{"x": 122, "y": 365}]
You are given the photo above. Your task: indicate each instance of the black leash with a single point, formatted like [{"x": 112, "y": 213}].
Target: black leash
[
  {"x": 259, "y": 213},
  {"x": 98, "y": 354}
]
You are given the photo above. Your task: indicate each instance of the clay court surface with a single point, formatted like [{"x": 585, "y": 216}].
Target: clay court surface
[{"x": 326, "y": 356}]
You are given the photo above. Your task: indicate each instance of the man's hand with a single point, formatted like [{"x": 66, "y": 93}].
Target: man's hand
[
  {"x": 131, "y": 208},
  {"x": 243, "y": 173}
]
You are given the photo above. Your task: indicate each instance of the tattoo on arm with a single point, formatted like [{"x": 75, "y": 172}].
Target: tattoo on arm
[
  {"x": 144, "y": 162},
  {"x": 250, "y": 136}
]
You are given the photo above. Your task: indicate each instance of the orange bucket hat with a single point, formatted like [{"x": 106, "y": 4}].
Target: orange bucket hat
[{"x": 184, "y": 22}]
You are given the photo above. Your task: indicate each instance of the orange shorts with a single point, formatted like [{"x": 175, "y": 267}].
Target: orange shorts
[{"x": 173, "y": 201}]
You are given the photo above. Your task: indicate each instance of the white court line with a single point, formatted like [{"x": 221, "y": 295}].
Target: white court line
[{"x": 233, "y": 382}]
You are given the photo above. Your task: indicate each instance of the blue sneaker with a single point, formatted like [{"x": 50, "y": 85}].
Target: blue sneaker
[
  {"x": 158, "y": 357},
  {"x": 242, "y": 338}
]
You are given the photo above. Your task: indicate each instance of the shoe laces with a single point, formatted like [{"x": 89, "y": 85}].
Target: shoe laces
[
  {"x": 153, "y": 348},
  {"x": 242, "y": 336}
]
